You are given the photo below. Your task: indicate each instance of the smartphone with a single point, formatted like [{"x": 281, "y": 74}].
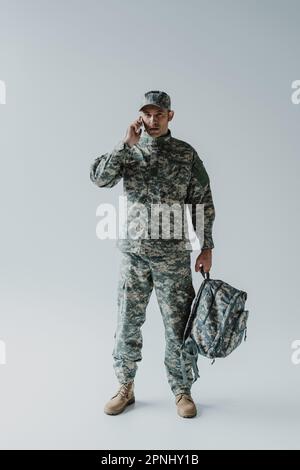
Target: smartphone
[{"x": 142, "y": 126}]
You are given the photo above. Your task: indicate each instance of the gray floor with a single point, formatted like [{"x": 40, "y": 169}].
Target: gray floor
[{"x": 58, "y": 376}]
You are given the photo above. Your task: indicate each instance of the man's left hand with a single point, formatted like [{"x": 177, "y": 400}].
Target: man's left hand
[{"x": 205, "y": 260}]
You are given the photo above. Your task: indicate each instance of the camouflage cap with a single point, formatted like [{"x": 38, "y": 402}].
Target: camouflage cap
[{"x": 156, "y": 98}]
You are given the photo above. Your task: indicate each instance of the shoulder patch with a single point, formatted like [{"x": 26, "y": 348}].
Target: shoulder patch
[{"x": 199, "y": 171}]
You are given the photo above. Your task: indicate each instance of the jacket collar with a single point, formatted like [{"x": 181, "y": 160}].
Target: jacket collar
[{"x": 148, "y": 139}]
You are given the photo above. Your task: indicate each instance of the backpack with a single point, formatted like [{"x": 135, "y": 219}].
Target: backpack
[{"x": 217, "y": 323}]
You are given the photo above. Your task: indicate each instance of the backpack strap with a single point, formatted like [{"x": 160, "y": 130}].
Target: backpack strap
[
  {"x": 193, "y": 311},
  {"x": 190, "y": 351},
  {"x": 203, "y": 273}
]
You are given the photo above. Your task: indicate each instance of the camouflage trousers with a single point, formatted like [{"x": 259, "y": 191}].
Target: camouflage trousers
[{"x": 171, "y": 277}]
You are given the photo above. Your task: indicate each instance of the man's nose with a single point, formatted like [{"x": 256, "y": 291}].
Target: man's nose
[{"x": 153, "y": 121}]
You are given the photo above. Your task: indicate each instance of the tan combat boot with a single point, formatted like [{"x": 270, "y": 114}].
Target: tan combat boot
[
  {"x": 186, "y": 407},
  {"x": 123, "y": 398}
]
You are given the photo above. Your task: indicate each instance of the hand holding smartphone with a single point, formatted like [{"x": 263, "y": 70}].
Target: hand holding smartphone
[{"x": 134, "y": 131}]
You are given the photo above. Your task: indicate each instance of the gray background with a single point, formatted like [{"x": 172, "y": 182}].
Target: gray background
[{"x": 75, "y": 71}]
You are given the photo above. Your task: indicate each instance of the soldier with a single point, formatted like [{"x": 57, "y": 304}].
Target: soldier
[{"x": 158, "y": 170}]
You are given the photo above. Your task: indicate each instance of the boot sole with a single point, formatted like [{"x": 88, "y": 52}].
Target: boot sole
[
  {"x": 187, "y": 416},
  {"x": 114, "y": 413},
  {"x": 192, "y": 415}
]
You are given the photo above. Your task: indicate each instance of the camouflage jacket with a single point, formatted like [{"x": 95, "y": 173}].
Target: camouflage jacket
[{"x": 159, "y": 171}]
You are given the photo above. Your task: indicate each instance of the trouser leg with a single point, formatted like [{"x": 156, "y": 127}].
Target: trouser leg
[
  {"x": 174, "y": 289},
  {"x": 134, "y": 291}
]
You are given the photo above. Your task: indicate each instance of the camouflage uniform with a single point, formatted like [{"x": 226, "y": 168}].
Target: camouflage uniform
[
  {"x": 157, "y": 170},
  {"x": 171, "y": 278}
]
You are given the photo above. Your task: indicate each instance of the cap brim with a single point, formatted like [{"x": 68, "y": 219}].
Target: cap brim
[{"x": 151, "y": 104}]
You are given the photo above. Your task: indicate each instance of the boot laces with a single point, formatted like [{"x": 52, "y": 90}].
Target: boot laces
[
  {"x": 181, "y": 395},
  {"x": 124, "y": 390}
]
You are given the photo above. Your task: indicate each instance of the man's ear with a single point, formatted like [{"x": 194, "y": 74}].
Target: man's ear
[{"x": 171, "y": 114}]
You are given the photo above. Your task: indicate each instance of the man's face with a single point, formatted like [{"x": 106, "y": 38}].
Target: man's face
[{"x": 156, "y": 120}]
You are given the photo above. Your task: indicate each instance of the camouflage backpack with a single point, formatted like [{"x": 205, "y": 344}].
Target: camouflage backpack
[{"x": 217, "y": 322}]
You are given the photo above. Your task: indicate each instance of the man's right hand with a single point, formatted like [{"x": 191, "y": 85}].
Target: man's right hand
[{"x": 133, "y": 132}]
